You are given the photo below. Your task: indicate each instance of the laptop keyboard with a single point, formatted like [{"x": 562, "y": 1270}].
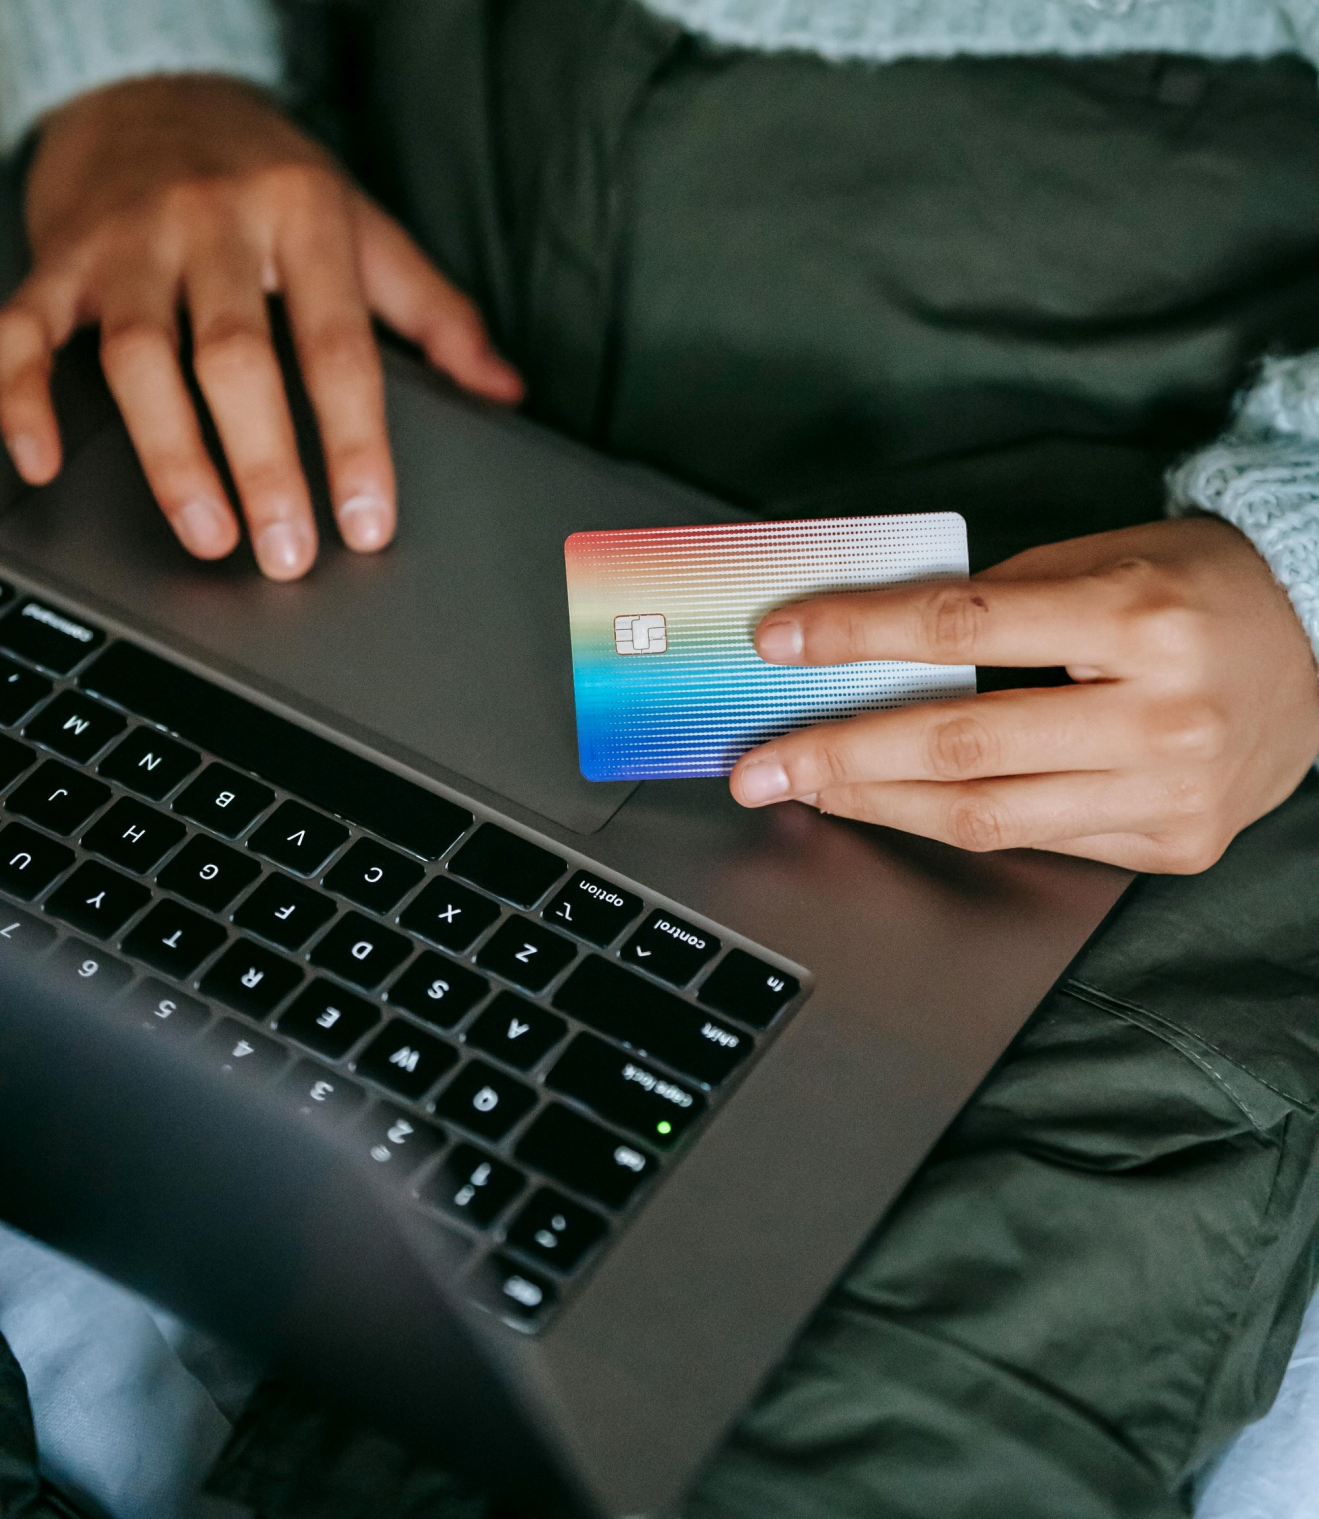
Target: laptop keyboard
[{"x": 521, "y": 1042}]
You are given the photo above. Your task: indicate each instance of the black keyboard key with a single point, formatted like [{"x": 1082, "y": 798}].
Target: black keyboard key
[
  {"x": 527, "y": 954},
  {"x": 298, "y": 838},
  {"x": 625, "y": 1091},
  {"x": 148, "y": 762},
  {"x": 747, "y": 989},
  {"x": 512, "y": 1289},
  {"x": 153, "y": 1005},
  {"x": 134, "y": 835},
  {"x": 97, "y": 900},
  {"x": 485, "y": 1100},
  {"x": 622, "y": 1005},
  {"x": 669, "y": 948},
  {"x": 512, "y": 867},
  {"x": 399, "y": 1140},
  {"x": 77, "y": 964},
  {"x": 174, "y": 939},
  {"x": 58, "y": 798},
  {"x": 29, "y": 861},
  {"x": 250, "y": 979},
  {"x": 473, "y": 1185},
  {"x": 75, "y": 726},
  {"x": 552, "y": 1228},
  {"x": 313, "y": 768},
  {"x": 449, "y": 915},
  {"x": 321, "y": 1094},
  {"x": 20, "y": 691},
  {"x": 363, "y": 952},
  {"x": 224, "y": 801},
  {"x": 593, "y": 909},
  {"x": 437, "y": 990},
  {"x": 516, "y": 1031},
  {"x": 327, "y": 1019},
  {"x": 585, "y": 1157},
  {"x": 234, "y": 1050},
  {"x": 284, "y": 911},
  {"x": 15, "y": 758},
  {"x": 374, "y": 877},
  {"x": 209, "y": 874},
  {"x": 37, "y": 632},
  {"x": 405, "y": 1060},
  {"x": 22, "y": 935}
]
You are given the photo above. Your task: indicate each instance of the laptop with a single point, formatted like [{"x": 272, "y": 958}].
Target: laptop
[{"x": 643, "y": 1070}]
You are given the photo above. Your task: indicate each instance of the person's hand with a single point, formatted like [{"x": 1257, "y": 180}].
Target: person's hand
[
  {"x": 195, "y": 193},
  {"x": 1196, "y": 709}
]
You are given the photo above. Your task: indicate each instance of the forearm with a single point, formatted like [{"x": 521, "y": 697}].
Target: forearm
[{"x": 54, "y": 50}]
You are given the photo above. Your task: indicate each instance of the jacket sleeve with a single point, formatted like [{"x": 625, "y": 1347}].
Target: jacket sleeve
[
  {"x": 1262, "y": 476},
  {"x": 53, "y": 50}
]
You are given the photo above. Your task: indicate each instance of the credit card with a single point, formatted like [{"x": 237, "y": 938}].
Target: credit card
[{"x": 667, "y": 680}]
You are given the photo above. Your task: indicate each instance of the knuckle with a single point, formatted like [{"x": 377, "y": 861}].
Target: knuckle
[
  {"x": 952, "y": 617},
  {"x": 1195, "y": 732},
  {"x": 135, "y": 342},
  {"x": 1192, "y": 854},
  {"x": 340, "y": 345},
  {"x": 1172, "y": 633},
  {"x": 298, "y": 187},
  {"x": 959, "y": 747},
  {"x": 976, "y": 824},
  {"x": 830, "y": 765},
  {"x": 228, "y": 351}
]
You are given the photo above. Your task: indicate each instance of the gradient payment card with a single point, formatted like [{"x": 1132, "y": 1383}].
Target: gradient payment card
[{"x": 667, "y": 680}]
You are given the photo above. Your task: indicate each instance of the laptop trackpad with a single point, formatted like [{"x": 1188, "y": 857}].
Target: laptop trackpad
[{"x": 451, "y": 647}]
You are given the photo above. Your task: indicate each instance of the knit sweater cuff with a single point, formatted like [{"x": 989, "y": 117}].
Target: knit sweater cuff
[
  {"x": 1262, "y": 476},
  {"x": 54, "y": 50}
]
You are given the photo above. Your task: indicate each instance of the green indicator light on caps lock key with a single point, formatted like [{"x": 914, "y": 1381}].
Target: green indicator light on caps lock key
[{"x": 664, "y": 1127}]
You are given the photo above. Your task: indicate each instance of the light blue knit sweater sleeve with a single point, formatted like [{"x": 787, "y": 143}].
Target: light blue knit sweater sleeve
[
  {"x": 1262, "y": 476},
  {"x": 52, "y": 50}
]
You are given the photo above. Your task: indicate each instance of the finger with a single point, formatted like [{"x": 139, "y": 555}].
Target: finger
[
  {"x": 341, "y": 367},
  {"x": 1036, "y": 623},
  {"x": 239, "y": 375},
  {"x": 139, "y": 354},
  {"x": 1000, "y": 733},
  {"x": 36, "y": 321},
  {"x": 1015, "y": 812},
  {"x": 405, "y": 290}
]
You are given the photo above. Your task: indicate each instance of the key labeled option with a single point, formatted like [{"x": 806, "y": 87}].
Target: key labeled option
[
  {"x": 527, "y": 954},
  {"x": 555, "y": 1230},
  {"x": 97, "y": 900},
  {"x": 485, "y": 1100},
  {"x": 48, "y": 637},
  {"x": 361, "y": 951},
  {"x": 174, "y": 939},
  {"x": 507, "y": 865},
  {"x": 374, "y": 877},
  {"x": 235, "y": 1050},
  {"x": 399, "y": 1140},
  {"x": 449, "y": 915},
  {"x": 473, "y": 1185},
  {"x": 285, "y": 911},
  {"x": 20, "y": 691},
  {"x": 595, "y": 910},
  {"x": 58, "y": 798},
  {"x": 149, "y": 763},
  {"x": 625, "y": 1090},
  {"x": 437, "y": 990},
  {"x": 153, "y": 1005},
  {"x": 328, "y": 1019},
  {"x": 405, "y": 1060},
  {"x": 208, "y": 873},
  {"x": 298, "y": 838},
  {"x": 584, "y": 1156},
  {"x": 224, "y": 801},
  {"x": 133, "y": 835},
  {"x": 669, "y": 948},
  {"x": 29, "y": 861},
  {"x": 76, "y": 726},
  {"x": 747, "y": 989},
  {"x": 516, "y": 1031},
  {"x": 250, "y": 979}
]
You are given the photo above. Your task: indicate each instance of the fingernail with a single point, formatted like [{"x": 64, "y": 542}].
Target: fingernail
[
  {"x": 765, "y": 781},
  {"x": 205, "y": 528},
  {"x": 25, "y": 450},
  {"x": 283, "y": 550},
  {"x": 780, "y": 642},
  {"x": 365, "y": 523}
]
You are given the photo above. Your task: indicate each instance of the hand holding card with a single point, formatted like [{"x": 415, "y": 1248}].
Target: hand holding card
[{"x": 668, "y": 682}]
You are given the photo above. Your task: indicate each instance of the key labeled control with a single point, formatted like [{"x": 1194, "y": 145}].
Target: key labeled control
[{"x": 669, "y": 948}]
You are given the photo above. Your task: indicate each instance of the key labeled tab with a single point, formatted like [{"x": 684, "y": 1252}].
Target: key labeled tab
[
  {"x": 48, "y": 637},
  {"x": 669, "y": 948},
  {"x": 584, "y": 1156}
]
